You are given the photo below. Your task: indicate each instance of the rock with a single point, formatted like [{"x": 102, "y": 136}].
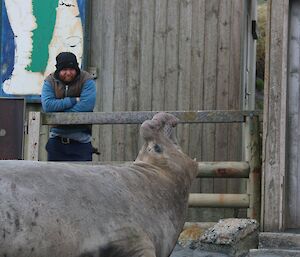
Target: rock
[
  {"x": 191, "y": 233},
  {"x": 230, "y": 236}
]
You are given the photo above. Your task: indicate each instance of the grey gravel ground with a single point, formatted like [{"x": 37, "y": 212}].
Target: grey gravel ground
[{"x": 187, "y": 252}]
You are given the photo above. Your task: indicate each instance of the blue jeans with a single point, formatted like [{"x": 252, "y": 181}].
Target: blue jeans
[{"x": 63, "y": 149}]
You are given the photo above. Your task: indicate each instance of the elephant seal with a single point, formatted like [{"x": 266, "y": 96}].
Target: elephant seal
[{"x": 76, "y": 210}]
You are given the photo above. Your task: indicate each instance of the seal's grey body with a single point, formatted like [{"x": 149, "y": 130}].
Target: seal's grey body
[{"x": 70, "y": 210}]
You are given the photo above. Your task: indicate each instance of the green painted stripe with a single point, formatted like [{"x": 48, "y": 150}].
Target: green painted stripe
[{"x": 45, "y": 14}]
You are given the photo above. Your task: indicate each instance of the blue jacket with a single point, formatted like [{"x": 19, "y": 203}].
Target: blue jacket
[{"x": 69, "y": 104}]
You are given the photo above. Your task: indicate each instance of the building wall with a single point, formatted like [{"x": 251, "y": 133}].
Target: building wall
[
  {"x": 293, "y": 122},
  {"x": 275, "y": 118},
  {"x": 32, "y": 34},
  {"x": 170, "y": 55}
]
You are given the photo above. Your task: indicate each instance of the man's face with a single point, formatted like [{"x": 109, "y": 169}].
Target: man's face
[{"x": 67, "y": 74}]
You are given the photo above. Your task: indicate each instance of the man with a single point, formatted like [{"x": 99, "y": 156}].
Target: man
[{"x": 69, "y": 89}]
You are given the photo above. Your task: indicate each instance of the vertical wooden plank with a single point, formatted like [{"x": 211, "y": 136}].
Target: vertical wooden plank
[
  {"x": 133, "y": 78},
  {"x": 172, "y": 33},
  {"x": 274, "y": 132},
  {"x": 249, "y": 58},
  {"x": 185, "y": 35},
  {"x": 234, "y": 87},
  {"x": 34, "y": 125},
  {"x": 211, "y": 53},
  {"x": 120, "y": 81},
  {"x": 209, "y": 92},
  {"x": 96, "y": 30},
  {"x": 234, "y": 146},
  {"x": 252, "y": 156},
  {"x": 158, "y": 87},
  {"x": 44, "y": 136},
  {"x": 223, "y": 71},
  {"x": 106, "y": 74},
  {"x": 296, "y": 186},
  {"x": 197, "y": 83},
  {"x": 293, "y": 181},
  {"x": 222, "y": 92},
  {"x": 184, "y": 61},
  {"x": 147, "y": 30},
  {"x": 265, "y": 115},
  {"x": 197, "y": 74},
  {"x": 108, "y": 48},
  {"x": 146, "y": 61}
]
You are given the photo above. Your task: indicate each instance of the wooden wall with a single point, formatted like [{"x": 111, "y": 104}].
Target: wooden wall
[
  {"x": 275, "y": 117},
  {"x": 170, "y": 55},
  {"x": 293, "y": 121}
]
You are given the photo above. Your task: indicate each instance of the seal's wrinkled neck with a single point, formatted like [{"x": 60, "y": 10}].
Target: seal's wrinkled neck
[{"x": 162, "y": 150}]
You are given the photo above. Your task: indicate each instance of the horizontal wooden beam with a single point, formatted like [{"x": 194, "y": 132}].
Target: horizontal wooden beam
[
  {"x": 205, "y": 169},
  {"x": 139, "y": 117},
  {"x": 219, "y": 200},
  {"x": 223, "y": 170}
]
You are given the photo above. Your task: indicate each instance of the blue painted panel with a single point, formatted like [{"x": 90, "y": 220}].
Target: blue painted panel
[
  {"x": 7, "y": 48},
  {"x": 16, "y": 81}
]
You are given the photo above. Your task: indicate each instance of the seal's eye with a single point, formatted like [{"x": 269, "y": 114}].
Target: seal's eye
[{"x": 157, "y": 148}]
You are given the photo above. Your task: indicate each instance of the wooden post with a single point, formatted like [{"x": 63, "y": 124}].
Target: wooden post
[
  {"x": 275, "y": 119},
  {"x": 34, "y": 126},
  {"x": 252, "y": 156}
]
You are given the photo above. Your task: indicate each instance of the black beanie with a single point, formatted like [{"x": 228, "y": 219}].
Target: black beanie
[{"x": 66, "y": 60}]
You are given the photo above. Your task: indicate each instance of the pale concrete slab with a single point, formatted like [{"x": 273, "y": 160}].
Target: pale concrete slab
[
  {"x": 274, "y": 253},
  {"x": 289, "y": 241}
]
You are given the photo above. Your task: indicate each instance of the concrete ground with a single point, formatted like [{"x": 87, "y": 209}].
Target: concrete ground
[{"x": 187, "y": 252}]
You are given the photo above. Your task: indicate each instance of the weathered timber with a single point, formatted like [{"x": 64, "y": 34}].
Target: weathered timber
[
  {"x": 177, "y": 53},
  {"x": 274, "y": 142},
  {"x": 252, "y": 155},
  {"x": 205, "y": 169},
  {"x": 223, "y": 170},
  {"x": 140, "y": 117},
  {"x": 290, "y": 199},
  {"x": 219, "y": 200},
  {"x": 132, "y": 91},
  {"x": 34, "y": 135},
  {"x": 196, "y": 100}
]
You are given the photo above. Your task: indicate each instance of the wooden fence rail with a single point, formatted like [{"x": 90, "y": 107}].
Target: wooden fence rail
[{"x": 250, "y": 168}]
